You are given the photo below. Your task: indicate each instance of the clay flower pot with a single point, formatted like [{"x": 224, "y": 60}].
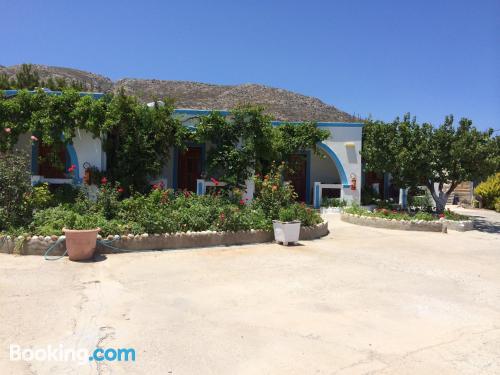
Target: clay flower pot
[{"x": 81, "y": 243}]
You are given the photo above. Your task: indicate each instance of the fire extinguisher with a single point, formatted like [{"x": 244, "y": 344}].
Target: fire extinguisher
[{"x": 353, "y": 181}]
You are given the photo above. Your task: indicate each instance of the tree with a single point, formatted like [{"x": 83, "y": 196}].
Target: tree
[
  {"x": 27, "y": 77},
  {"x": 245, "y": 142},
  {"x": 5, "y": 83},
  {"x": 139, "y": 139},
  {"x": 438, "y": 157}
]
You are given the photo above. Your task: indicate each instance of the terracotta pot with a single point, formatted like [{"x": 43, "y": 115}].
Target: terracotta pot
[{"x": 81, "y": 243}]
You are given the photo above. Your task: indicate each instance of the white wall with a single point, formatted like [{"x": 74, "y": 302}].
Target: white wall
[
  {"x": 88, "y": 149},
  {"x": 323, "y": 169},
  {"x": 348, "y": 156}
]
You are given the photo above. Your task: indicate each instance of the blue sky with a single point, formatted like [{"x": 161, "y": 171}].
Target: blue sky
[{"x": 383, "y": 58}]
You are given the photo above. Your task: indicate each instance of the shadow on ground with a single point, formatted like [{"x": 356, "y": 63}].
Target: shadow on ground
[{"x": 483, "y": 225}]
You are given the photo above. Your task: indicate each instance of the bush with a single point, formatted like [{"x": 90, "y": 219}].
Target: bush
[
  {"x": 489, "y": 191},
  {"x": 497, "y": 205},
  {"x": 333, "y": 202},
  {"x": 272, "y": 193},
  {"x": 40, "y": 197},
  {"x": 161, "y": 211},
  {"x": 422, "y": 202},
  {"x": 403, "y": 215},
  {"x": 15, "y": 187},
  {"x": 300, "y": 212}
]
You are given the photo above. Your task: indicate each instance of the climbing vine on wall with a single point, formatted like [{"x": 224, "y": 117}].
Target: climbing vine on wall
[
  {"x": 137, "y": 138},
  {"x": 246, "y": 142}
]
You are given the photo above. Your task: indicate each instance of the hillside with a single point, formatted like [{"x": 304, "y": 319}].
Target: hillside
[{"x": 282, "y": 104}]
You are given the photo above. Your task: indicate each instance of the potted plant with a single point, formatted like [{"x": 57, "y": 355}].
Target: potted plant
[
  {"x": 287, "y": 228},
  {"x": 81, "y": 243}
]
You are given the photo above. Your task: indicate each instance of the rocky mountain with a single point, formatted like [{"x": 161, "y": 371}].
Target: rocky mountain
[{"x": 282, "y": 104}]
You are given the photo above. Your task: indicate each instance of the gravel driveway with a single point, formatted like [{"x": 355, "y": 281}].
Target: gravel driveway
[{"x": 362, "y": 300}]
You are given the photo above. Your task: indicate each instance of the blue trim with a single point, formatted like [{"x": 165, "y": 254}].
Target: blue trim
[
  {"x": 199, "y": 112},
  {"x": 95, "y": 95},
  {"x": 74, "y": 160},
  {"x": 338, "y": 164},
  {"x": 322, "y": 124},
  {"x": 199, "y": 188},
  {"x": 316, "y": 197}
]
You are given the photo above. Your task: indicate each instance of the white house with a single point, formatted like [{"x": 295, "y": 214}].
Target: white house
[{"x": 336, "y": 173}]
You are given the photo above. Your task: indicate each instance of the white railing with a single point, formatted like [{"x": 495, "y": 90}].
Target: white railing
[{"x": 318, "y": 192}]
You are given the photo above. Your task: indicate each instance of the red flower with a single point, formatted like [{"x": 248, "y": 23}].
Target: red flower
[
  {"x": 155, "y": 187},
  {"x": 242, "y": 202},
  {"x": 120, "y": 190},
  {"x": 104, "y": 180},
  {"x": 216, "y": 183},
  {"x": 187, "y": 194},
  {"x": 441, "y": 216}
]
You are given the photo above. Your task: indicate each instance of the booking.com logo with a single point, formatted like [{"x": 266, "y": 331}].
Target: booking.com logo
[{"x": 61, "y": 354}]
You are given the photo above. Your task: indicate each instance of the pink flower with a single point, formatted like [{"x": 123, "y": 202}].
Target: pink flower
[
  {"x": 33, "y": 138},
  {"x": 120, "y": 190},
  {"x": 441, "y": 216},
  {"x": 104, "y": 180},
  {"x": 72, "y": 168},
  {"x": 8, "y": 130},
  {"x": 216, "y": 183},
  {"x": 155, "y": 187}
]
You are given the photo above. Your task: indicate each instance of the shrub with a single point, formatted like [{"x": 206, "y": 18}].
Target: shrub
[
  {"x": 497, "y": 205},
  {"x": 333, "y": 202},
  {"x": 422, "y": 202},
  {"x": 15, "y": 187},
  {"x": 40, "y": 197},
  {"x": 489, "y": 190},
  {"x": 272, "y": 193},
  {"x": 300, "y": 212}
]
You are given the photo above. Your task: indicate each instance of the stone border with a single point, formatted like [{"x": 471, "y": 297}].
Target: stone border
[
  {"x": 413, "y": 225},
  {"x": 38, "y": 245}
]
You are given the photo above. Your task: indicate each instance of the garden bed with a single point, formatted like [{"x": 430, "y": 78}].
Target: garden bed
[
  {"x": 404, "y": 221},
  {"x": 38, "y": 245}
]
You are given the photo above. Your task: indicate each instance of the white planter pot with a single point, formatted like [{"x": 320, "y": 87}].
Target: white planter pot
[{"x": 286, "y": 232}]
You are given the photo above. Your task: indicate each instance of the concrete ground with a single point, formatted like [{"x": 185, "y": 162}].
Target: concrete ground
[{"x": 362, "y": 300}]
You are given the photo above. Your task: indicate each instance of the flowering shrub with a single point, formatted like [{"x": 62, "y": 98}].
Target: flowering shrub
[
  {"x": 300, "y": 212},
  {"x": 404, "y": 215},
  {"x": 272, "y": 193},
  {"x": 489, "y": 191}
]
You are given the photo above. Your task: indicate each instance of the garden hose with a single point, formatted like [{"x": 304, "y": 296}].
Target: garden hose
[
  {"x": 105, "y": 243},
  {"x": 53, "y": 246}
]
